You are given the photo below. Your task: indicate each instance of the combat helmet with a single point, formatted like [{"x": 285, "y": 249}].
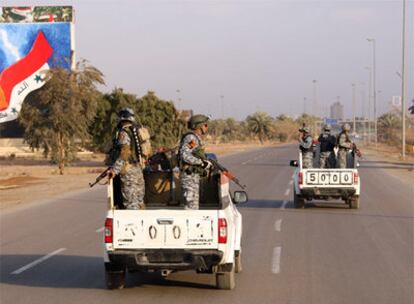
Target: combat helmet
[
  {"x": 196, "y": 121},
  {"x": 346, "y": 127},
  {"x": 126, "y": 114}
]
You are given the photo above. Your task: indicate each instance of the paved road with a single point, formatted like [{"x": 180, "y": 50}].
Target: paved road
[{"x": 325, "y": 253}]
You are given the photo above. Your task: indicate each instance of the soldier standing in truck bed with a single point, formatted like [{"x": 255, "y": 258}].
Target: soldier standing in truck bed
[
  {"x": 345, "y": 145},
  {"x": 306, "y": 147},
  {"x": 327, "y": 143},
  {"x": 191, "y": 166},
  {"x": 126, "y": 158}
]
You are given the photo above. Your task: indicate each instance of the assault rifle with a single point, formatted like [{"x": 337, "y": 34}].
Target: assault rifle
[
  {"x": 356, "y": 151},
  {"x": 227, "y": 173},
  {"x": 100, "y": 177},
  {"x": 200, "y": 154}
]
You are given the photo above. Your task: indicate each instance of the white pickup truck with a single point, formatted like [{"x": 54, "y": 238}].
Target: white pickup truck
[
  {"x": 326, "y": 184},
  {"x": 167, "y": 238}
]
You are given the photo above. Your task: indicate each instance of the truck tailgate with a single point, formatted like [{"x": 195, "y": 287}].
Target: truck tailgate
[{"x": 184, "y": 229}]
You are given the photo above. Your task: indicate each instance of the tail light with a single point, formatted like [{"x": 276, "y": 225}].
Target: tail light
[
  {"x": 356, "y": 178},
  {"x": 222, "y": 231},
  {"x": 300, "y": 178},
  {"x": 108, "y": 230}
]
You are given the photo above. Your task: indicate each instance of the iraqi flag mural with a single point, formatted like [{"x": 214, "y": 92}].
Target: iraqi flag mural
[
  {"x": 27, "y": 52},
  {"x": 23, "y": 77}
]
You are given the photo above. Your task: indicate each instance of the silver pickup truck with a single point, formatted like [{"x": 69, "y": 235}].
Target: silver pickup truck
[{"x": 325, "y": 184}]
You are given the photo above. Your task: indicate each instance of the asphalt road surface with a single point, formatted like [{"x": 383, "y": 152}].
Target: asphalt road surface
[{"x": 325, "y": 253}]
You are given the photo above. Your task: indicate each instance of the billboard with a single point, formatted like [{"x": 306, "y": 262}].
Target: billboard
[{"x": 32, "y": 40}]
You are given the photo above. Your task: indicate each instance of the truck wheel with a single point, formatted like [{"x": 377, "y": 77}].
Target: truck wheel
[
  {"x": 115, "y": 279},
  {"x": 298, "y": 202},
  {"x": 354, "y": 203},
  {"x": 237, "y": 262},
  {"x": 226, "y": 280}
]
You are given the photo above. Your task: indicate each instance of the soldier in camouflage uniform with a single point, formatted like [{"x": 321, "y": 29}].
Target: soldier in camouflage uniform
[
  {"x": 191, "y": 166},
  {"x": 345, "y": 145},
  {"x": 306, "y": 146},
  {"x": 126, "y": 162},
  {"x": 327, "y": 143}
]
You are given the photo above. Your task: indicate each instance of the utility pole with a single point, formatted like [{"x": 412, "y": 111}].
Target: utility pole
[
  {"x": 304, "y": 105},
  {"x": 353, "y": 109},
  {"x": 374, "y": 90},
  {"x": 403, "y": 97}
]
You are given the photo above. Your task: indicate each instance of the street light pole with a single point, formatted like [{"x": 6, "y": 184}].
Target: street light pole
[
  {"x": 315, "y": 102},
  {"x": 222, "y": 106},
  {"x": 353, "y": 109},
  {"x": 374, "y": 89},
  {"x": 403, "y": 97},
  {"x": 369, "y": 103},
  {"x": 178, "y": 98}
]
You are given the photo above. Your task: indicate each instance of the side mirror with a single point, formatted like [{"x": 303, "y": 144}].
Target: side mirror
[
  {"x": 293, "y": 163},
  {"x": 240, "y": 197}
]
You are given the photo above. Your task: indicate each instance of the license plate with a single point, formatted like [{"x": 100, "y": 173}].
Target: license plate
[{"x": 329, "y": 178}]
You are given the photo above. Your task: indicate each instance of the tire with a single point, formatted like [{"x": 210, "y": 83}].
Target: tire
[
  {"x": 115, "y": 279},
  {"x": 226, "y": 280},
  {"x": 298, "y": 202},
  {"x": 354, "y": 203},
  {"x": 237, "y": 262}
]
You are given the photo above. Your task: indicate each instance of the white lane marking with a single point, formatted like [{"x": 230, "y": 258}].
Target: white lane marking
[
  {"x": 291, "y": 182},
  {"x": 38, "y": 261},
  {"x": 284, "y": 205},
  {"x": 100, "y": 229},
  {"x": 276, "y": 259},
  {"x": 278, "y": 225},
  {"x": 287, "y": 191}
]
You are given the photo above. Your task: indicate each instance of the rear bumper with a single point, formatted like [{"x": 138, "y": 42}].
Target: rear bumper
[
  {"x": 159, "y": 259},
  {"x": 323, "y": 193}
]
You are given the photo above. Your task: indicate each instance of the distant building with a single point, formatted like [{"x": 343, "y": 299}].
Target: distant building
[{"x": 337, "y": 111}]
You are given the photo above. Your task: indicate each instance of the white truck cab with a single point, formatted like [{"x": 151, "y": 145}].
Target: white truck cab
[
  {"x": 326, "y": 184},
  {"x": 166, "y": 237}
]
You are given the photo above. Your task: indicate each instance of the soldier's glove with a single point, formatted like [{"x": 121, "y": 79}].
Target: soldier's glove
[{"x": 207, "y": 165}]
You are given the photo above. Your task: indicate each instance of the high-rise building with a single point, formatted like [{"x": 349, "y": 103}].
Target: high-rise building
[{"x": 337, "y": 111}]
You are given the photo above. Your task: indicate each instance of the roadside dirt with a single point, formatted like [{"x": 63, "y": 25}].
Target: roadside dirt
[
  {"x": 24, "y": 180},
  {"x": 389, "y": 159}
]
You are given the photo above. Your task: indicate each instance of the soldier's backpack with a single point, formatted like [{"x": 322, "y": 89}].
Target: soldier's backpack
[{"x": 141, "y": 141}]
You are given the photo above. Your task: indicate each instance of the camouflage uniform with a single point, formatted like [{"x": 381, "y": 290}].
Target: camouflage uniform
[
  {"x": 305, "y": 146},
  {"x": 128, "y": 167},
  {"x": 344, "y": 145},
  {"x": 190, "y": 170},
  {"x": 327, "y": 145}
]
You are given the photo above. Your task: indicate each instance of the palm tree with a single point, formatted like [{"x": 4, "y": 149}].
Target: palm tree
[
  {"x": 260, "y": 124},
  {"x": 388, "y": 124}
]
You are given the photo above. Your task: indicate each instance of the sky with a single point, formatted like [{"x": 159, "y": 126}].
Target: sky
[{"x": 233, "y": 58}]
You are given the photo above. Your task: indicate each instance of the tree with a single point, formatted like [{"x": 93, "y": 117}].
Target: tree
[
  {"x": 57, "y": 117},
  {"x": 106, "y": 117},
  {"x": 162, "y": 119},
  {"x": 159, "y": 116},
  {"x": 260, "y": 124},
  {"x": 388, "y": 125}
]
